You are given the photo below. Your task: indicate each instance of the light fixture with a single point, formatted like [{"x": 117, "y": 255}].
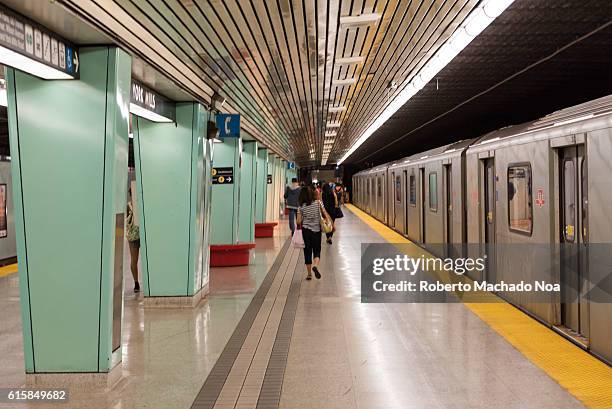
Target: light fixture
[
  {"x": 349, "y": 60},
  {"x": 345, "y": 81},
  {"x": 335, "y": 124},
  {"x": 331, "y": 133},
  {"x": 338, "y": 108},
  {"x": 146, "y": 114},
  {"x": 473, "y": 25},
  {"x": 31, "y": 66},
  {"x": 360, "y": 20}
]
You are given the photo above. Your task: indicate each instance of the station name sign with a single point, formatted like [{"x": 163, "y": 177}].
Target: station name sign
[
  {"x": 28, "y": 38},
  {"x": 151, "y": 101}
]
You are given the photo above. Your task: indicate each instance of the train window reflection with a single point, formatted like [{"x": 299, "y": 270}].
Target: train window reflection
[
  {"x": 520, "y": 210},
  {"x": 569, "y": 199},
  {"x": 412, "y": 190},
  {"x": 433, "y": 191},
  {"x": 398, "y": 189}
]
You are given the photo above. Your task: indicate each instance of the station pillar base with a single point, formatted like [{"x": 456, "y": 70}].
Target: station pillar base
[
  {"x": 85, "y": 380},
  {"x": 229, "y": 255},
  {"x": 265, "y": 229},
  {"x": 190, "y": 301}
]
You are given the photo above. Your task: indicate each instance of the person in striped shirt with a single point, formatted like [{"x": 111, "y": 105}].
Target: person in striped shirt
[{"x": 309, "y": 218}]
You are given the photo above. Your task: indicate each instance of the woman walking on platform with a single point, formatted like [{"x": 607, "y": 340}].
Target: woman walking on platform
[
  {"x": 310, "y": 213},
  {"x": 330, "y": 201}
]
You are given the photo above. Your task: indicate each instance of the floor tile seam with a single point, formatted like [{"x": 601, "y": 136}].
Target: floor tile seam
[
  {"x": 294, "y": 257},
  {"x": 251, "y": 356},
  {"x": 289, "y": 313},
  {"x": 231, "y": 349}
]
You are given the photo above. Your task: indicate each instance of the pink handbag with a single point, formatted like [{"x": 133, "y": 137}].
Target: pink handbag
[{"x": 297, "y": 240}]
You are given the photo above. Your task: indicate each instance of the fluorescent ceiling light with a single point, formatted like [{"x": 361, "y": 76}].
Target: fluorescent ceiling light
[
  {"x": 338, "y": 108},
  {"x": 424, "y": 157},
  {"x": 346, "y": 81},
  {"x": 333, "y": 124},
  {"x": 3, "y": 97},
  {"x": 349, "y": 60},
  {"x": 360, "y": 20},
  {"x": 474, "y": 24},
  {"x": 31, "y": 66},
  {"x": 146, "y": 114}
]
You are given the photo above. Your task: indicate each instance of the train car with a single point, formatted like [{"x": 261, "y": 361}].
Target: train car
[{"x": 543, "y": 184}]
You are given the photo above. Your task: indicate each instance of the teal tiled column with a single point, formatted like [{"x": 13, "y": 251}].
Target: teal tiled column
[
  {"x": 261, "y": 192},
  {"x": 69, "y": 147},
  {"x": 226, "y": 197},
  {"x": 248, "y": 186},
  {"x": 173, "y": 190}
]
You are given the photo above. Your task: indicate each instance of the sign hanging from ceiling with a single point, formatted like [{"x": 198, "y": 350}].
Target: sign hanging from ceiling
[
  {"x": 148, "y": 104},
  {"x": 23, "y": 40},
  {"x": 229, "y": 125},
  {"x": 223, "y": 176},
  {"x": 290, "y": 165}
]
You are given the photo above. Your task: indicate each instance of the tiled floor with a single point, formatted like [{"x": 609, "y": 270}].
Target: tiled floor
[{"x": 343, "y": 354}]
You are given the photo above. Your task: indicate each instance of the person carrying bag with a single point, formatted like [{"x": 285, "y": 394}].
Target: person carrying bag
[{"x": 312, "y": 218}]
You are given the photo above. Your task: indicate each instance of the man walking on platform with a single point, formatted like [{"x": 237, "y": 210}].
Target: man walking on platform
[{"x": 292, "y": 194}]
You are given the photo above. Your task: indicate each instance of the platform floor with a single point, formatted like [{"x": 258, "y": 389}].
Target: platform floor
[{"x": 267, "y": 338}]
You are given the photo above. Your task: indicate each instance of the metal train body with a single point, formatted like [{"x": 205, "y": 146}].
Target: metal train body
[{"x": 546, "y": 181}]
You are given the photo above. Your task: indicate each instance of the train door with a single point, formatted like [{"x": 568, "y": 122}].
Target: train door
[
  {"x": 572, "y": 218},
  {"x": 448, "y": 194},
  {"x": 489, "y": 216},
  {"x": 423, "y": 204}
]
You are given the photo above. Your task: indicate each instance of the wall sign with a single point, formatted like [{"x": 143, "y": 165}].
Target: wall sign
[
  {"x": 269, "y": 179},
  {"x": 151, "y": 101},
  {"x": 229, "y": 125},
  {"x": 222, "y": 176},
  {"x": 30, "y": 39},
  {"x": 290, "y": 165}
]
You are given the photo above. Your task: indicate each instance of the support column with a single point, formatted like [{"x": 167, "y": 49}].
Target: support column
[
  {"x": 226, "y": 247},
  {"x": 272, "y": 202},
  {"x": 171, "y": 184},
  {"x": 248, "y": 186},
  {"x": 261, "y": 194},
  {"x": 69, "y": 144}
]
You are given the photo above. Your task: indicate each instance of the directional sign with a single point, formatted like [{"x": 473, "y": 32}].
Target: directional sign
[
  {"x": 30, "y": 39},
  {"x": 229, "y": 125},
  {"x": 223, "y": 176},
  {"x": 269, "y": 179}
]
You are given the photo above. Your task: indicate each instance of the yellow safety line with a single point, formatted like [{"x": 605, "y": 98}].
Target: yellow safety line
[
  {"x": 581, "y": 374},
  {"x": 8, "y": 269}
]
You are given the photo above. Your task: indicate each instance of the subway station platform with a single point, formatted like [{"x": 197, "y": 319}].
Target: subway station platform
[{"x": 266, "y": 338}]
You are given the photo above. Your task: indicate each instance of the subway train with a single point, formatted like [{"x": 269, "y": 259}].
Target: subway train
[{"x": 542, "y": 182}]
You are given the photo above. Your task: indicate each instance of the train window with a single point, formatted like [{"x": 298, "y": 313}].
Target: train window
[
  {"x": 569, "y": 199},
  {"x": 379, "y": 186},
  {"x": 412, "y": 190},
  {"x": 398, "y": 189},
  {"x": 520, "y": 210},
  {"x": 433, "y": 191}
]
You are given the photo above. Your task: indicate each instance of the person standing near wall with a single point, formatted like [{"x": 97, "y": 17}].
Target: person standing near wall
[
  {"x": 292, "y": 194},
  {"x": 132, "y": 234}
]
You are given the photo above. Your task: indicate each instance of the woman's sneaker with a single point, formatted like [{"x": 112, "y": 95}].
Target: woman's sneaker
[
  {"x": 316, "y": 271},
  {"x": 136, "y": 287}
]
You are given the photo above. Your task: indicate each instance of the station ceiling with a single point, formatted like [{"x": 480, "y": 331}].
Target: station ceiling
[{"x": 278, "y": 62}]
